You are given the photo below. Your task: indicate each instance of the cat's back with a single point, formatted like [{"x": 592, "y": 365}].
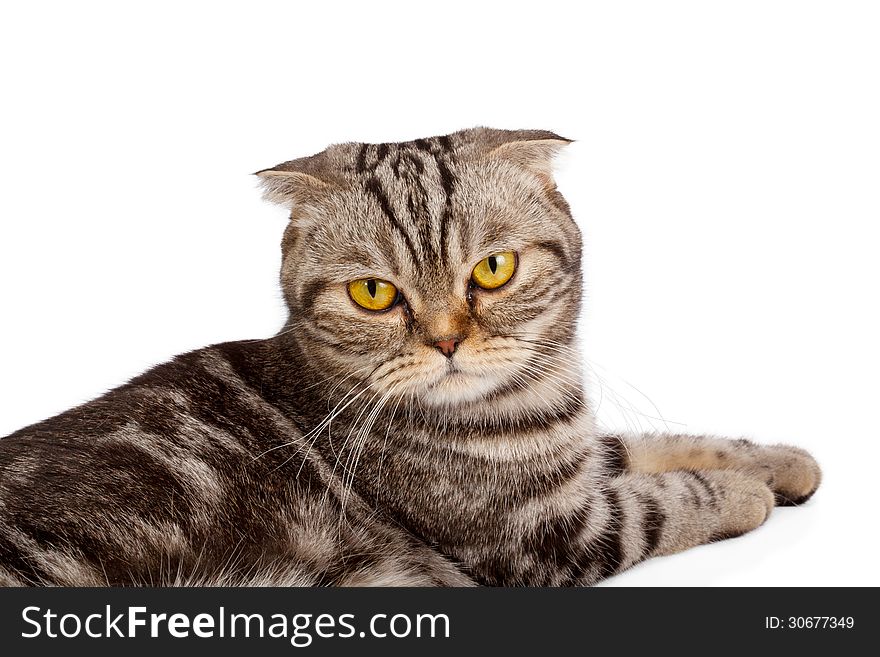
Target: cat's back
[{"x": 202, "y": 402}]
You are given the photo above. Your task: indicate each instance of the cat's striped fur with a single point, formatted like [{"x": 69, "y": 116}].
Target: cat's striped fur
[{"x": 346, "y": 450}]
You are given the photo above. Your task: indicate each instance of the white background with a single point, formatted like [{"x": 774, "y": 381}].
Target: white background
[{"x": 725, "y": 176}]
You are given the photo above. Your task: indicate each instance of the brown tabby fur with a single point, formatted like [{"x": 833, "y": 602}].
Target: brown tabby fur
[{"x": 347, "y": 450}]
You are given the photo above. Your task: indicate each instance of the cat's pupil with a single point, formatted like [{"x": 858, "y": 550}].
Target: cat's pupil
[
  {"x": 371, "y": 287},
  {"x": 493, "y": 264}
]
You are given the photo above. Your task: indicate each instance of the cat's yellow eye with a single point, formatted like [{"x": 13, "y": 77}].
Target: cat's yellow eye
[
  {"x": 494, "y": 271},
  {"x": 373, "y": 293}
]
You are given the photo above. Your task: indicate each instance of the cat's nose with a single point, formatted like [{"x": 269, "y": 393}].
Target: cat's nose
[{"x": 447, "y": 346}]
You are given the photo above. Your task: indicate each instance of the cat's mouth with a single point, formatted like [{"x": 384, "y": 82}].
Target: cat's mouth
[
  {"x": 454, "y": 384},
  {"x": 457, "y": 385},
  {"x": 452, "y": 375},
  {"x": 467, "y": 377}
]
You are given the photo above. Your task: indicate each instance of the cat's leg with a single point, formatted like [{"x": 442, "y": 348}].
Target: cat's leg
[
  {"x": 790, "y": 472},
  {"x": 642, "y": 515}
]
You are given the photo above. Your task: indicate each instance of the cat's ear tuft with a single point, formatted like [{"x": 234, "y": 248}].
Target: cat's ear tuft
[
  {"x": 297, "y": 182},
  {"x": 533, "y": 150}
]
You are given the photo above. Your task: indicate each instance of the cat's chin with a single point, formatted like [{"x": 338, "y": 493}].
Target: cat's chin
[{"x": 457, "y": 388}]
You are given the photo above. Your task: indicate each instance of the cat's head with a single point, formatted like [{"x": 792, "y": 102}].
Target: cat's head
[{"x": 444, "y": 269}]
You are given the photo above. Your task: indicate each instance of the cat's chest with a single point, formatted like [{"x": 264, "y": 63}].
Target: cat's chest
[{"x": 485, "y": 495}]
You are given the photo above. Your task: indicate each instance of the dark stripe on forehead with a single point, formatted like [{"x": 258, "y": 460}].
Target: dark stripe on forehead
[
  {"x": 361, "y": 165},
  {"x": 441, "y": 149},
  {"x": 424, "y": 224},
  {"x": 420, "y": 213},
  {"x": 374, "y": 187},
  {"x": 416, "y": 162},
  {"x": 448, "y": 182},
  {"x": 419, "y": 209},
  {"x": 408, "y": 165}
]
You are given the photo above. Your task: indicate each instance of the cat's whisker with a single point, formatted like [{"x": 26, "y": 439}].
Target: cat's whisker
[
  {"x": 563, "y": 349},
  {"x": 347, "y": 473},
  {"x": 592, "y": 365},
  {"x": 336, "y": 385},
  {"x": 625, "y": 405},
  {"x": 628, "y": 411},
  {"x": 313, "y": 435},
  {"x": 308, "y": 440},
  {"x": 385, "y": 441},
  {"x": 338, "y": 454},
  {"x": 529, "y": 378},
  {"x": 560, "y": 372},
  {"x": 363, "y": 436},
  {"x": 320, "y": 425},
  {"x": 325, "y": 423}
]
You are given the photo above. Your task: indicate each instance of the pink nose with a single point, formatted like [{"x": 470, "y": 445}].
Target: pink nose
[{"x": 447, "y": 347}]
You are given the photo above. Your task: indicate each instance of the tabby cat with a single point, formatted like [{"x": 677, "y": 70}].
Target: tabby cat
[{"x": 420, "y": 420}]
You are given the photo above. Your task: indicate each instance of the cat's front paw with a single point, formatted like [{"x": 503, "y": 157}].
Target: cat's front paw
[
  {"x": 745, "y": 503},
  {"x": 790, "y": 472}
]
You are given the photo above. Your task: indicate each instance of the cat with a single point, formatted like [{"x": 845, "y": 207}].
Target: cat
[{"x": 420, "y": 419}]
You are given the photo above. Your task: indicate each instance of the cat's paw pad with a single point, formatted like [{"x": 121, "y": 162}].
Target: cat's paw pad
[
  {"x": 794, "y": 474},
  {"x": 745, "y": 504}
]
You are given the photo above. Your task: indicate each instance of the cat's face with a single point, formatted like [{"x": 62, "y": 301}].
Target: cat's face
[{"x": 445, "y": 270}]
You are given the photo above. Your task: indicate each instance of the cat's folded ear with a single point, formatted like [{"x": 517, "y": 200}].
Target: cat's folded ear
[
  {"x": 533, "y": 150},
  {"x": 297, "y": 182}
]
